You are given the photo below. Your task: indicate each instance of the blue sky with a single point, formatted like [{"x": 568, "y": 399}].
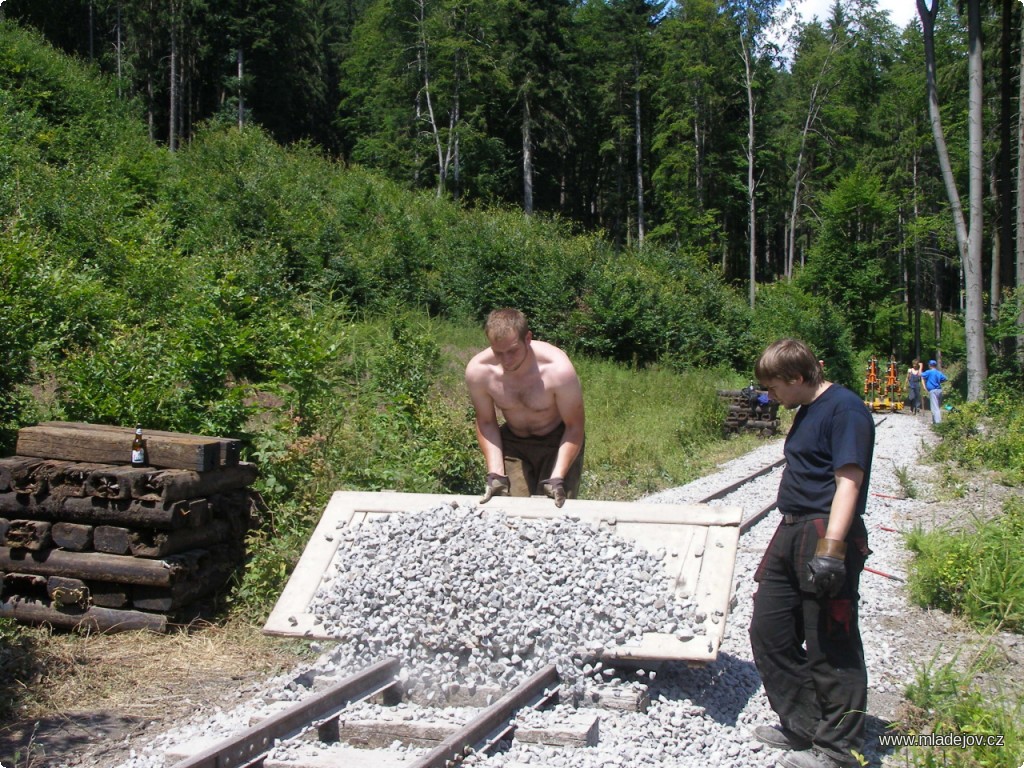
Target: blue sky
[{"x": 900, "y": 11}]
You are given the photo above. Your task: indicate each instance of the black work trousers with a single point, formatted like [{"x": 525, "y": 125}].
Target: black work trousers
[
  {"x": 808, "y": 651},
  {"x": 528, "y": 460}
]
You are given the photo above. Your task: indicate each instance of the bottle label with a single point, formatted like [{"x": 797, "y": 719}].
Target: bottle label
[{"x": 138, "y": 456}]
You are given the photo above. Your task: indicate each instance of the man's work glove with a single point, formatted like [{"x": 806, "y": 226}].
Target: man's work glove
[
  {"x": 555, "y": 488},
  {"x": 827, "y": 569},
  {"x": 497, "y": 485}
]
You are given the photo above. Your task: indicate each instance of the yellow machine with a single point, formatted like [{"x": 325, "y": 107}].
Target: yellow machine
[{"x": 883, "y": 394}]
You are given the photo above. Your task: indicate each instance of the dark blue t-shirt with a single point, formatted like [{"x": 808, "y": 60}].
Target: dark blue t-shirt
[{"x": 829, "y": 433}]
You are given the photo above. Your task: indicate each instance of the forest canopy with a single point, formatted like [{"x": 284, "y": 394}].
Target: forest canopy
[{"x": 689, "y": 132}]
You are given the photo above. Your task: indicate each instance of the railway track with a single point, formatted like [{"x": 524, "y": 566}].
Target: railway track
[
  {"x": 328, "y": 728},
  {"x": 750, "y": 519}
]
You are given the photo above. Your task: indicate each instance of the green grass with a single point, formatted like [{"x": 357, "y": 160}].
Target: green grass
[
  {"x": 905, "y": 478},
  {"x": 651, "y": 429},
  {"x": 977, "y": 574},
  {"x": 948, "y": 701}
]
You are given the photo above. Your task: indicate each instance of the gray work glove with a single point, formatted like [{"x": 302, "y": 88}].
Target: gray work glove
[
  {"x": 826, "y": 571},
  {"x": 497, "y": 485},
  {"x": 554, "y": 487}
]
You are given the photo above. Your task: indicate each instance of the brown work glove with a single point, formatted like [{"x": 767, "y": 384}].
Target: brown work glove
[
  {"x": 555, "y": 488},
  {"x": 826, "y": 571},
  {"x": 497, "y": 485}
]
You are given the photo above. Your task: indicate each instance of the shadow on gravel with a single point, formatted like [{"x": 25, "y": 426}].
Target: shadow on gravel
[
  {"x": 725, "y": 687},
  {"x": 722, "y": 688},
  {"x": 53, "y": 740}
]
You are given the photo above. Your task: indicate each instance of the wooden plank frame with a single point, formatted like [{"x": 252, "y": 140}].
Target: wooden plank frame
[{"x": 700, "y": 544}]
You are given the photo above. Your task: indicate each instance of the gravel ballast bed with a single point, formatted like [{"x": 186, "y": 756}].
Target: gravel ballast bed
[{"x": 697, "y": 717}]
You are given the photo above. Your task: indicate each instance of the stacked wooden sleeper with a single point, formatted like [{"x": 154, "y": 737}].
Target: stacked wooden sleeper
[
  {"x": 746, "y": 413},
  {"x": 89, "y": 542}
]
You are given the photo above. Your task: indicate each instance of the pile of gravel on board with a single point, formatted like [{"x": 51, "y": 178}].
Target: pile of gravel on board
[
  {"x": 479, "y": 598},
  {"x": 703, "y": 717}
]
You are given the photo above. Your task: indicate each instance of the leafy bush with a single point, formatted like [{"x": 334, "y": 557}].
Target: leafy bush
[
  {"x": 944, "y": 700},
  {"x": 658, "y": 306},
  {"x": 378, "y": 413},
  {"x": 987, "y": 433},
  {"x": 978, "y": 574},
  {"x": 785, "y": 310}
]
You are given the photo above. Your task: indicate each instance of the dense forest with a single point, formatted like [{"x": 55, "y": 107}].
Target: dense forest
[
  {"x": 820, "y": 154},
  {"x": 874, "y": 167},
  {"x": 285, "y": 221}
]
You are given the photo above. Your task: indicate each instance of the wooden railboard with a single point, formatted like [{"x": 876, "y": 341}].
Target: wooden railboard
[
  {"x": 682, "y": 529},
  {"x": 228, "y": 454},
  {"x": 106, "y": 446}
]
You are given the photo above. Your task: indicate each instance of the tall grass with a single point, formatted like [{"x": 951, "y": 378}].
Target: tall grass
[
  {"x": 947, "y": 701},
  {"x": 977, "y": 574},
  {"x": 648, "y": 429}
]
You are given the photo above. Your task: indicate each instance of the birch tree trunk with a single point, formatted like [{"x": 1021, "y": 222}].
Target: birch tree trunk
[
  {"x": 813, "y": 108},
  {"x": 424, "y": 66},
  {"x": 974, "y": 322},
  {"x": 118, "y": 49},
  {"x": 241, "y": 94},
  {"x": 527, "y": 160},
  {"x": 1020, "y": 207},
  {"x": 639, "y": 156},
  {"x": 172, "y": 136},
  {"x": 969, "y": 243},
  {"x": 751, "y": 201}
]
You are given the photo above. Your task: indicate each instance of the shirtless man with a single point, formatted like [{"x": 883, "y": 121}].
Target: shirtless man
[{"x": 539, "y": 447}]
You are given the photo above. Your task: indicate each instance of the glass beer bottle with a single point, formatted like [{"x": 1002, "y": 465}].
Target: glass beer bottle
[{"x": 138, "y": 448}]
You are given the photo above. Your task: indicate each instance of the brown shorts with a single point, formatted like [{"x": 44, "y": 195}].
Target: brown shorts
[{"x": 528, "y": 460}]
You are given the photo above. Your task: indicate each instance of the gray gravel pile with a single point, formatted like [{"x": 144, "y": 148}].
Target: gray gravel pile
[
  {"x": 696, "y": 718},
  {"x": 478, "y": 598}
]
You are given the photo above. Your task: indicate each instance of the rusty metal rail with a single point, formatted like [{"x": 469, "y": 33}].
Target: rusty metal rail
[
  {"x": 752, "y": 520},
  {"x": 493, "y": 719},
  {"x": 722, "y": 492},
  {"x": 247, "y": 747},
  {"x": 482, "y": 733}
]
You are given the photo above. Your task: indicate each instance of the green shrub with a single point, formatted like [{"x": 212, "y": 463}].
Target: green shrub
[
  {"x": 947, "y": 701},
  {"x": 987, "y": 433},
  {"x": 977, "y": 574},
  {"x": 785, "y": 310},
  {"x": 661, "y": 307},
  {"x": 165, "y": 377}
]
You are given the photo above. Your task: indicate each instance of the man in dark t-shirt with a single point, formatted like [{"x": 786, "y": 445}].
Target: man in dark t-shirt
[{"x": 804, "y": 632}]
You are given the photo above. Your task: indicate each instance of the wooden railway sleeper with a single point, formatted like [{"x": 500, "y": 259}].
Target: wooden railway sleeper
[
  {"x": 250, "y": 746},
  {"x": 493, "y": 720}
]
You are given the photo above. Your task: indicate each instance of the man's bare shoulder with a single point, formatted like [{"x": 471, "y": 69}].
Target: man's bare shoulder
[
  {"x": 480, "y": 364},
  {"x": 548, "y": 353},
  {"x": 553, "y": 361}
]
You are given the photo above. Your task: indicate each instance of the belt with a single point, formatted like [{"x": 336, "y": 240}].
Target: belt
[{"x": 790, "y": 519}]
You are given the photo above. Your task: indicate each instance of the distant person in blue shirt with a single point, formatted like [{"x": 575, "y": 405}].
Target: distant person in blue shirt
[{"x": 933, "y": 379}]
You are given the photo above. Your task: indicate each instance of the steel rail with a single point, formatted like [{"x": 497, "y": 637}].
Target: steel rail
[
  {"x": 496, "y": 737},
  {"x": 740, "y": 483},
  {"x": 755, "y": 518},
  {"x": 459, "y": 744},
  {"x": 247, "y": 747}
]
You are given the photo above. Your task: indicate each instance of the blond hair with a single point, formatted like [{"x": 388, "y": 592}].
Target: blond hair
[{"x": 502, "y": 323}]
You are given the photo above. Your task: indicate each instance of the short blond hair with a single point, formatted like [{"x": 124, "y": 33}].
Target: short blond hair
[
  {"x": 502, "y": 323},
  {"x": 788, "y": 359}
]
